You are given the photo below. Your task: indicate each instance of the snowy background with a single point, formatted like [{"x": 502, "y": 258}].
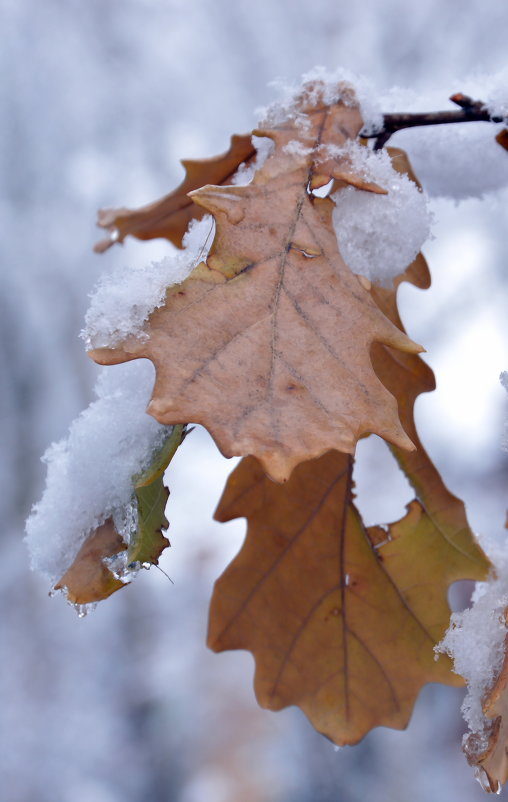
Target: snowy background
[{"x": 99, "y": 102}]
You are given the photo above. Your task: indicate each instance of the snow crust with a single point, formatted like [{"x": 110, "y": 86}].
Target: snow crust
[
  {"x": 89, "y": 476},
  {"x": 124, "y": 299},
  {"x": 379, "y": 235}
]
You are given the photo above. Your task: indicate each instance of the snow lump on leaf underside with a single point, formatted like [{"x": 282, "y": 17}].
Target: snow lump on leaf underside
[
  {"x": 379, "y": 235},
  {"x": 89, "y": 476}
]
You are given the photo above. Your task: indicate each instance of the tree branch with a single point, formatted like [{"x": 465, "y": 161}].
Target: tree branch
[{"x": 470, "y": 111}]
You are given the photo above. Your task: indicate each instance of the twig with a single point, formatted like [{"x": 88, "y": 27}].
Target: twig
[{"x": 470, "y": 111}]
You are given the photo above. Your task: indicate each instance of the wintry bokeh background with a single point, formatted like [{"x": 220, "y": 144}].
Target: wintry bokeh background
[{"x": 99, "y": 102}]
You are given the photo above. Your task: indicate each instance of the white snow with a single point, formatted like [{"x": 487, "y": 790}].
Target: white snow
[
  {"x": 90, "y": 472},
  {"x": 379, "y": 235},
  {"x": 456, "y": 161},
  {"x": 476, "y": 642},
  {"x": 124, "y": 299},
  {"x": 339, "y": 84},
  {"x": 476, "y": 638},
  {"x": 245, "y": 173}
]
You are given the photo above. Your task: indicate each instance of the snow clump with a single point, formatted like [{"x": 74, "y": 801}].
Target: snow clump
[
  {"x": 89, "y": 476},
  {"x": 124, "y": 299},
  {"x": 379, "y": 235},
  {"x": 341, "y": 84},
  {"x": 476, "y": 643}
]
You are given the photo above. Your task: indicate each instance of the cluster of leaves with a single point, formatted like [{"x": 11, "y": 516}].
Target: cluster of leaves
[{"x": 342, "y": 619}]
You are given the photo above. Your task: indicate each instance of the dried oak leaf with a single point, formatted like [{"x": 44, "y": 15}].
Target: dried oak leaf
[
  {"x": 268, "y": 343},
  {"x": 88, "y": 579},
  {"x": 488, "y": 751},
  {"x": 342, "y": 620},
  {"x": 170, "y": 216}
]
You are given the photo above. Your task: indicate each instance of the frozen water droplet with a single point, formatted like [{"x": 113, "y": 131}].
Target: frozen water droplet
[
  {"x": 146, "y": 566},
  {"x": 491, "y": 787},
  {"x": 120, "y": 568},
  {"x": 336, "y": 748},
  {"x": 83, "y": 609}
]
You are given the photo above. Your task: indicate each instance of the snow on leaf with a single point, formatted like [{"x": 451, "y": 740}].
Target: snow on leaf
[
  {"x": 339, "y": 625},
  {"x": 487, "y": 751},
  {"x": 267, "y": 343},
  {"x": 95, "y": 573},
  {"x": 170, "y": 216}
]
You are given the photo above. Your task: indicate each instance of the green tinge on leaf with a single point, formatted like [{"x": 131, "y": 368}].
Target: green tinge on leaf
[
  {"x": 148, "y": 542},
  {"x": 161, "y": 458}
]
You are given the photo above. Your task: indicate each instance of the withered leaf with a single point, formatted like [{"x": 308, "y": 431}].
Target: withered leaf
[
  {"x": 88, "y": 579},
  {"x": 307, "y": 552},
  {"x": 268, "y": 343},
  {"x": 169, "y": 217},
  {"x": 341, "y": 627}
]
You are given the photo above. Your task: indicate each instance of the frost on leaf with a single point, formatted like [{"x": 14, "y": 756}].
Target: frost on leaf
[
  {"x": 267, "y": 344},
  {"x": 170, "y": 216}
]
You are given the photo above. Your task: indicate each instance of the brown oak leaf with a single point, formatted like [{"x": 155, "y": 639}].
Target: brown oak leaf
[
  {"x": 342, "y": 620},
  {"x": 170, "y": 216},
  {"x": 307, "y": 552},
  {"x": 268, "y": 343}
]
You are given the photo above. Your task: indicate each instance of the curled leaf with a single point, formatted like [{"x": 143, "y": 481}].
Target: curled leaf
[
  {"x": 148, "y": 541},
  {"x": 88, "y": 579}
]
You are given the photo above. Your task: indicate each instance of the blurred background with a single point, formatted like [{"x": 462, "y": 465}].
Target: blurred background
[{"x": 99, "y": 101}]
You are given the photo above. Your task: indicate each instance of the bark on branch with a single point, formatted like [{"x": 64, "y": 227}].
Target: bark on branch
[{"x": 470, "y": 111}]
